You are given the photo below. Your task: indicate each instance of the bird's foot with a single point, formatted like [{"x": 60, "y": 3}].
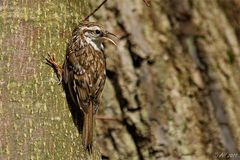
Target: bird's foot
[{"x": 50, "y": 60}]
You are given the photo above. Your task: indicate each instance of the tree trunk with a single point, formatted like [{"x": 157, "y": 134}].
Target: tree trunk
[
  {"x": 173, "y": 81},
  {"x": 34, "y": 117}
]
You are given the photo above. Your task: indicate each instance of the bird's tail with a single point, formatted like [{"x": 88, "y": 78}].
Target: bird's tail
[{"x": 87, "y": 136}]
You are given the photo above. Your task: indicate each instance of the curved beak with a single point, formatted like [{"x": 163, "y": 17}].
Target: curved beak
[{"x": 107, "y": 36}]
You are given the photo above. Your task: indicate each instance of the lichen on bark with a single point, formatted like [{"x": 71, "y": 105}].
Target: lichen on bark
[{"x": 35, "y": 120}]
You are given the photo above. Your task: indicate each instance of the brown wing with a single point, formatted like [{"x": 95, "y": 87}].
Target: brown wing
[{"x": 84, "y": 75}]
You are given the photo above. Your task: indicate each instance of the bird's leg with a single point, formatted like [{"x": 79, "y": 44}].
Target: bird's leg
[{"x": 50, "y": 60}]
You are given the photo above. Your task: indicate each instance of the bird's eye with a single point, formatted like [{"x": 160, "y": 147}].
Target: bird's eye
[{"x": 97, "y": 31}]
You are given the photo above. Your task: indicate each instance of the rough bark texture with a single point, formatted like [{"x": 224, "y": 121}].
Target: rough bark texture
[{"x": 173, "y": 80}]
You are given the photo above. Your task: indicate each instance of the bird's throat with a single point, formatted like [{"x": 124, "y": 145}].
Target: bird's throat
[{"x": 95, "y": 44}]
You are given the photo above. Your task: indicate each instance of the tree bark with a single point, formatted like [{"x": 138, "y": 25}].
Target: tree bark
[
  {"x": 34, "y": 117},
  {"x": 173, "y": 81}
]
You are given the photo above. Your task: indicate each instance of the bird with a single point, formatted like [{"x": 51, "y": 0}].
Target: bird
[{"x": 84, "y": 72}]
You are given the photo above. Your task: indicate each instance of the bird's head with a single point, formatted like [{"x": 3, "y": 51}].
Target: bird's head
[{"x": 93, "y": 34}]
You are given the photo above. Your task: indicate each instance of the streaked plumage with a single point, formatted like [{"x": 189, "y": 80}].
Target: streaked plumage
[{"x": 84, "y": 73}]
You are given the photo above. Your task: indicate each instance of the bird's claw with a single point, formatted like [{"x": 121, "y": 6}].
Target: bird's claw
[
  {"x": 50, "y": 60},
  {"x": 59, "y": 80}
]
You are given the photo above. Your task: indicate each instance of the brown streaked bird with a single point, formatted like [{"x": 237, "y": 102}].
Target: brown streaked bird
[{"x": 84, "y": 72}]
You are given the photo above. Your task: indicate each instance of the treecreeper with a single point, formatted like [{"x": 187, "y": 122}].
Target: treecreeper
[{"x": 83, "y": 73}]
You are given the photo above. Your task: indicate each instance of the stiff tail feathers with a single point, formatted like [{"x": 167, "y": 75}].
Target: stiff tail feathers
[{"x": 87, "y": 136}]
